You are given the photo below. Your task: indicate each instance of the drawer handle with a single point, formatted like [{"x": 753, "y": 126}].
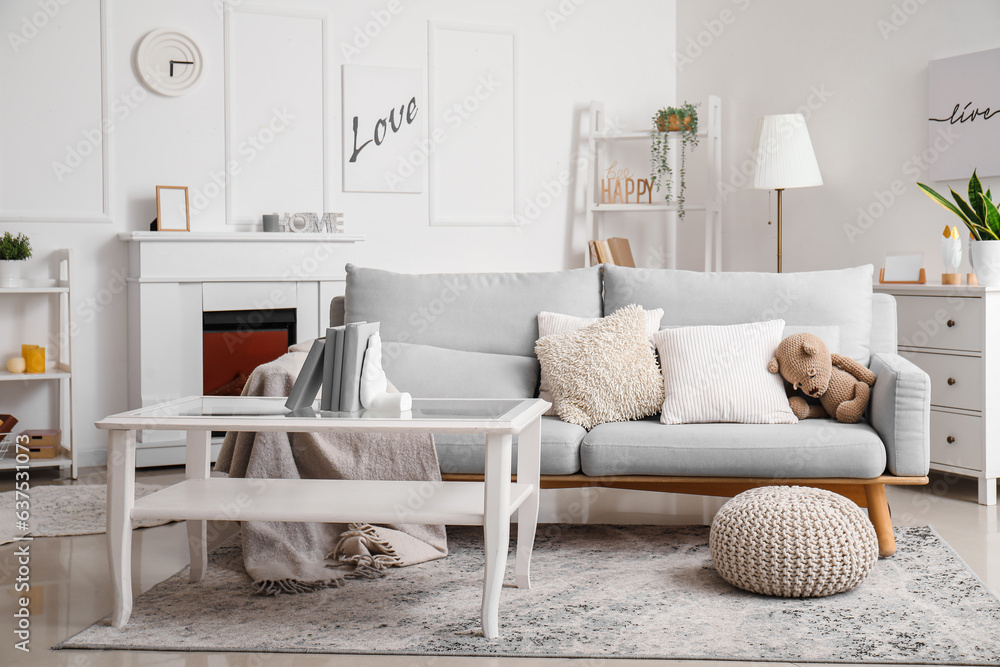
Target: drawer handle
[
  {"x": 951, "y": 439},
  {"x": 951, "y": 323},
  {"x": 951, "y": 380}
]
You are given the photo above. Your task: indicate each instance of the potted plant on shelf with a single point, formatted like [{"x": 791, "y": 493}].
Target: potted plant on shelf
[
  {"x": 13, "y": 250},
  {"x": 683, "y": 119},
  {"x": 981, "y": 216}
]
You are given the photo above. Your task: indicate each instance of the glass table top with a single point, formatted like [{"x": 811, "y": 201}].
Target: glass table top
[{"x": 252, "y": 406}]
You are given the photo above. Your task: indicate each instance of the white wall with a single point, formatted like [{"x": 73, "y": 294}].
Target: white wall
[
  {"x": 570, "y": 52},
  {"x": 858, "y": 70}
]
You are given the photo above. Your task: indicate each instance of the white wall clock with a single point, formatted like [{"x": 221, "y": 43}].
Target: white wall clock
[{"x": 169, "y": 62}]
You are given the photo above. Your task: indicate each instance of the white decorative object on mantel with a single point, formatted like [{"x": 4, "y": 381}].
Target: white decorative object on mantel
[
  {"x": 174, "y": 278},
  {"x": 374, "y": 385},
  {"x": 311, "y": 223}
]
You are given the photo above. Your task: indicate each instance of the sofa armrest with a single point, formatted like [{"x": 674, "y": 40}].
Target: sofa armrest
[
  {"x": 900, "y": 412},
  {"x": 337, "y": 311}
]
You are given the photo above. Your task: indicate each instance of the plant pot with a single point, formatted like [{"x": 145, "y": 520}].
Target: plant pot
[
  {"x": 10, "y": 273},
  {"x": 985, "y": 259},
  {"x": 672, "y": 124}
]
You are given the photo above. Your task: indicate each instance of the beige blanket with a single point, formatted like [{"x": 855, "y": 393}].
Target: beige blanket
[{"x": 297, "y": 557}]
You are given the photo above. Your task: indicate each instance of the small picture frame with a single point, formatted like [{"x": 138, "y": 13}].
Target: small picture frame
[
  {"x": 173, "y": 212},
  {"x": 903, "y": 269}
]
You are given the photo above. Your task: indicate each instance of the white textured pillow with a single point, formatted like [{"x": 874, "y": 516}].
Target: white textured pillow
[
  {"x": 605, "y": 372},
  {"x": 719, "y": 374},
  {"x": 555, "y": 323}
]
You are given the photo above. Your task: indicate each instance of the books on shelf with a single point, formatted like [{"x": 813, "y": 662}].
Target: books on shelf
[
  {"x": 615, "y": 250},
  {"x": 334, "y": 363}
]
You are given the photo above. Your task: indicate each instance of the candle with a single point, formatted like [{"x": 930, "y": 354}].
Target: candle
[
  {"x": 271, "y": 222},
  {"x": 15, "y": 364},
  {"x": 34, "y": 358}
]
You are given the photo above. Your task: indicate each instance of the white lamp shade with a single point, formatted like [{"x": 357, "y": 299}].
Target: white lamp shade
[{"x": 784, "y": 155}]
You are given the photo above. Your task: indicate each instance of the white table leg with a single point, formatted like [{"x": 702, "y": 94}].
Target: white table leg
[
  {"x": 198, "y": 459},
  {"x": 121, "y": 498},
  {"x": 529, "y": 446},
  {"x": 496, "y": 528}
]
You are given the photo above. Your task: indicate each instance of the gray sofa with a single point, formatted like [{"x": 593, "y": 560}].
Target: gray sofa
[{"x": 473, "y": 335}]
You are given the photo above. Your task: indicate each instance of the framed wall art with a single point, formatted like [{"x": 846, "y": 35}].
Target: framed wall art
[
  {"x": 964, "y": 116},
  {"x": 384, "y": 129}
]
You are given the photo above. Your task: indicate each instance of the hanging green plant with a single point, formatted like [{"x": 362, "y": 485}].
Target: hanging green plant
[{"x": 683, "y": 119}]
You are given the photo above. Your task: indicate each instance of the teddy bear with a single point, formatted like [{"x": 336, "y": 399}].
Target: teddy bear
[{"x": 841, "y": 384}]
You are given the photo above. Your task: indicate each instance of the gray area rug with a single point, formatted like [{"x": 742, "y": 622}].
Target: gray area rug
[
  {"x": 58, "y": 510},
  {"x": 598, "y": 591}
]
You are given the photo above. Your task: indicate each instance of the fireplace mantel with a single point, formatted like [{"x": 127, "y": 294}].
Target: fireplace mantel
[
  {"x": 232, "y": 237},
  {"x": 176, "y": 276}
]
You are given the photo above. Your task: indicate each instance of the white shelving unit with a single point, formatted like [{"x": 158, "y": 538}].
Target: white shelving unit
[
  {"x": 710, "y": 132},
  {"x": 58, "y": 371}
]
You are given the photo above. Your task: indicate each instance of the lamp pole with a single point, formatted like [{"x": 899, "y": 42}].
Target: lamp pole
[{"x": 779, "y": 229}]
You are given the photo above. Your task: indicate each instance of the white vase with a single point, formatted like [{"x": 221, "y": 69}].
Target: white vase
[
  {"x": 10, "y": 273},
  {"x": 985, "y": 259}
]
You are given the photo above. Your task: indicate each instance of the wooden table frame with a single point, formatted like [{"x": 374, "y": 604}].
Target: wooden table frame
[{"x": 199, "y": 498}]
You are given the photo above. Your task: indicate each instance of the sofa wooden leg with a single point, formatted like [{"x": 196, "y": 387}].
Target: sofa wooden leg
[{"x": 878, "y": 512}]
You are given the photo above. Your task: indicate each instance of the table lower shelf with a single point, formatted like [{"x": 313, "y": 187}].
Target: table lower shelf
[{"x": 324, "y": 501}]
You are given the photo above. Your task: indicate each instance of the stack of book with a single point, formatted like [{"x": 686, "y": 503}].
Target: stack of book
[
  {"x": 333, "y": 364},
  {"x": 611, "y": 251}
]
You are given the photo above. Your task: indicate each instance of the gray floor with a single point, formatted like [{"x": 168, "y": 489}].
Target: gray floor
[{"x": 72, "y": 572}]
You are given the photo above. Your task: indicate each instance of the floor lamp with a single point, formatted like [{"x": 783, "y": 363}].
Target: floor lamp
[{"x": 784, "y": 158}]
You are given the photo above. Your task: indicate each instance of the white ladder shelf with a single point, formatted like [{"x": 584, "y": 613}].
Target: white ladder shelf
[{"x": 710, "y": 129}]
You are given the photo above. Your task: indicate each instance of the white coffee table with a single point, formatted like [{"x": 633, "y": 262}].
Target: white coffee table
[{"x": 201, "y": 498}]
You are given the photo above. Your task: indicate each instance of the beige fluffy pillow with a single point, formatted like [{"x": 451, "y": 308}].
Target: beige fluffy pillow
[
  {"x": 556, "y": 323},
  {"x": 606, "y": 372}
]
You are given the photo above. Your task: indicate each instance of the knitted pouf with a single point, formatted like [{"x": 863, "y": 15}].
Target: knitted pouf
[{"x": 792, "y": 541}]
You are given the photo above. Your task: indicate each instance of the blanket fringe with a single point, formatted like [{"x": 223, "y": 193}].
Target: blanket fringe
[
  {"x": 369, "y": 537},
  {"x": 279, "y": 586}
]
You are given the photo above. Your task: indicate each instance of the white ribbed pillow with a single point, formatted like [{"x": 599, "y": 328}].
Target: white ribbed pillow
[
  {"x": 719, "y": 374},
  {"x": 606, "y": 372},
  {"x": 555, "y": 323}
]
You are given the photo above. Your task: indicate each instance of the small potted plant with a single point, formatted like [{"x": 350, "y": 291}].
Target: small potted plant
[
  {"x": 683, "y": 119},
  {"x": 13, "y": 250},
  {"x": 981, "y": 216}
]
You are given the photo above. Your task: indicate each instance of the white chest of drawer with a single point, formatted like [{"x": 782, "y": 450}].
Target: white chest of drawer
[{"x": 953, "y": 333}]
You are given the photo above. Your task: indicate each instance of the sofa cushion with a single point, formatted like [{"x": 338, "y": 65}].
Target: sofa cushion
[
  {"x": 604, "y": 372},
  {"x": 435, "y": 372},
  {"x": 466, "y": 452},
  {"x": 476, "y": 312},
  {"x": 818, "y": 298},
  {"x": 811, "y": 448},
  {"x": 554, "y": 323},
  {"x": 720, "y": 374}
]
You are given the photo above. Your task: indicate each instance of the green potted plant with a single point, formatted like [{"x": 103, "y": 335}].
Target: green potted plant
[
  {"x": 683, "y": 119},
  {"x": 13, "y": 250},
  {"x": 981, "y": 216}
]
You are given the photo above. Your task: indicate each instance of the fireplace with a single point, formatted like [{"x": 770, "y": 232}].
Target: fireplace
[{"x": 234, "y": 342}]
